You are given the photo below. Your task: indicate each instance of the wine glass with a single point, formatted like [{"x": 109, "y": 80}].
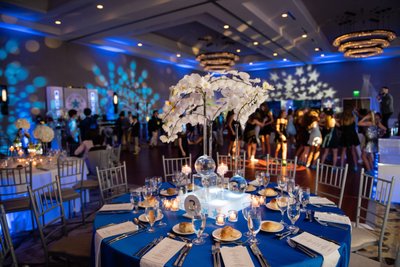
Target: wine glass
[
  {"x": 282, "y": 203},
  {"x": 254, "y": 224},
  {"x": 246, "y": 207},
  {"x": 292, "y": 188},
  {"x": 158, "y": 183},
  {"x": 204, "y": 210},
  {"x": 282, "y": 182},
  {"x": 267, "y": 179},
  {"x": 151, "y": 216},
  {"x": 304, "y": 198},
  {"x": 135, "y": 198},
  {"x": 293, "y": 213},
  {"x": 260, "y": 178},
  {"x": 161, "y": 209},
  {"x": 199, "y": 224}
]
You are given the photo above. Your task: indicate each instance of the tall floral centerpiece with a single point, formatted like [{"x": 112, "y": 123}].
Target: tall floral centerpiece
[
  {"x": 200, "y": 99},
  {"x": 45, "y": 134}
]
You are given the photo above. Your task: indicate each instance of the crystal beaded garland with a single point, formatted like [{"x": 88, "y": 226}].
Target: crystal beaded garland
[{"x": 205, "y": 165}]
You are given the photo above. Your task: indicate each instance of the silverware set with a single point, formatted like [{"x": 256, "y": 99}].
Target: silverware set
[
  {"x": 216, "y": 252},
  {"x": 148, "y": 247},
  {"x": 337, "y": 225},
  {"x": 256, "y": 251},
  {"x": 125, "y": 235},
  {"x": 182, "y": 255},
  {"x": 301, "y": 248}
]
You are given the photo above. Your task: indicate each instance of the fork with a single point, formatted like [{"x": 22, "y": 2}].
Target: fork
[
  {"x": 214, "y": 254},
  {"x": 303, "y": 249},
  {"x": 218, "y": 250},
  {"x": 331, "y": 224}
]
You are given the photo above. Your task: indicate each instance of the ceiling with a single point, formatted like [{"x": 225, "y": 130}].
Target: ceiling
[{"x": 166, "y": 28}]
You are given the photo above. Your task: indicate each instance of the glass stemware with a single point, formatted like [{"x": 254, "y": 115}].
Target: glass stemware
[
  {"x": 199, "y": 224},
  {"x": 304, "y": 198},
  {"x": 282, "y": 203},
  {"x": 293, "y": 213},
  {"x": 151, "y": 216},
  {"x": 282, "y": 183},
  {"x": 161, "y": 209},
  {"x": 260, "y": 178},
  {"x": 292, "y": 188},
  {"x": 246, "y": 207},
  {"x": 135, "y": 199},
  {"x": 267, "y": 179},
  {"x": 254, "y": 224}
]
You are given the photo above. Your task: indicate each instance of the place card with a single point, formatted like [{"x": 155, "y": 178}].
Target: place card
[
  {"x": 332, "y": 217},
  {"x": 237, "y": 256},
  {"x": 112, "y": 230},
  {"x": 117, "y": 207},
  {"x": 321, "y": 201},
  {"x": 328, "y": 250},
  {"x": 162, "y": 253}
]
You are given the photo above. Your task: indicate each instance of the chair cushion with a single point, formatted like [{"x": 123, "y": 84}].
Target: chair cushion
[
  {"x": 86, "y": 184},
  {"x": 16, "y": 204},
  {"x": 357, "y": 260},
  {"x": 73, "y": 246},
  {"x": 361, "y": 238},
  {"x": 69, "y": 194}
]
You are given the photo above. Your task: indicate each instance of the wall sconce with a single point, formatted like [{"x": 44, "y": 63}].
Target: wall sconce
[
  {"x": 115, "y": 102},
  {"x": 4, "y": 100}
]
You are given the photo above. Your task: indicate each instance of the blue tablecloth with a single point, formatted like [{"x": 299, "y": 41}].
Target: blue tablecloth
[{"x": 277, "y": 252}]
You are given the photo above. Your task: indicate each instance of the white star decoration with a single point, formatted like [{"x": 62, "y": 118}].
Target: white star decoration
[{"x": 302, "y": 83}]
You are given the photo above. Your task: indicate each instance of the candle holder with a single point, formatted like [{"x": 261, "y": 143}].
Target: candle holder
[
  {"x": 220, "y": 219},
  {"x": 167, "y": 204},
  {"x": 232, "y": 215},
  {"x": 175, "y": 204}
]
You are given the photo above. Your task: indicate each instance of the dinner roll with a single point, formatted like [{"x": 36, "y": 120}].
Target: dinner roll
[
  {"x": 269, "y": 192},
  {"x": 270, "y": 226},
  {"x": 186, "y": 227},
  {"x": 171, "y": 191},
  {"x": 229, "y": 232}
]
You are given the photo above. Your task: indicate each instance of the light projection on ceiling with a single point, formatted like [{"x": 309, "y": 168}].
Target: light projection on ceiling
[
  {"x": 302, "y": 83},
  {"x": 22, "y": 87},
  {"x": 130, "y": 84}
]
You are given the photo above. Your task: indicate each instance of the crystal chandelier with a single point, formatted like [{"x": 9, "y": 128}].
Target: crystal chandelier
[
  {"x": 217, "y": 61},
  {"x": 363, "y": 44}
]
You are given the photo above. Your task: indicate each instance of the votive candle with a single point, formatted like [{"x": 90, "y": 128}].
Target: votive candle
[
  {"x": 220, "y": 219},
  {"x": 233, "y": 216}
]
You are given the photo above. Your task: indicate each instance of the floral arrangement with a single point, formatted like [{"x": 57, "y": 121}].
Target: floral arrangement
[
  {"x": 22, "y": 124},
  {"x": 197, "y": 99},
  {"x": 43, "y": 133}
]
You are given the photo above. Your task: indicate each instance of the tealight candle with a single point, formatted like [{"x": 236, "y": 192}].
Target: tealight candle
[
  {"x": 20, "y": 153},
  {"x": 11, "y": 149},
  {"x": 222, "y": 169},
  {"x": 220, "y": 219},
  {"x": 175, "y": 205},
  {"x": 186, "y": 169},
  {"x": 233, "y": 217},
  {"x": 167, "y": 204}
]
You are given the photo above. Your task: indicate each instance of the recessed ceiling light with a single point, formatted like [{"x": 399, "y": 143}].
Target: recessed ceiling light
[
  {"x": 322, "y": 55},
  {"x": 285, "y": 59},
  {"x": 284, "y": 15},
  {"x": 178, "y": 55},
  {"x": 251, "y": 63},
  {"x": 58, "y": 22},
  {"x": 139, "y": 44},
  {"x": 100, "y": 6},
  {"x": 226, "y": 26},
  {"x": 275, "y": 54},
  {"x": 237, "y": 50},
  {"x": 317, "y": 49},
  {"x": 255, "y": 43},
  {"x": 304, "y": 35}
]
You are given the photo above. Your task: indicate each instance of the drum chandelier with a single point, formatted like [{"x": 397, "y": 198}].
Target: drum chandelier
[{"x": 217, "y": 61}]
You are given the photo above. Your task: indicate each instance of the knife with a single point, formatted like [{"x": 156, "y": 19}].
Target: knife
[
  {"x": 189, "y": 247},
  {"x": 255, "y": 252},
  {"x": 152, "y": 245},
  {"x": 140, "y": 252},
  {"x": 261, "y": 255},
  {"x": 214, "y": 254},
  {"x": 183, "y": 250},
  {"x": 125, "y": 235},
  {"x": 218, "y": 253}
]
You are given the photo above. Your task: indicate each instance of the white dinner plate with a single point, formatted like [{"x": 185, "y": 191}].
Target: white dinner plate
[
  {"x": 271, "y": 206},
  {"x": 143, "y": 218},
  {"x": 271, "y": 194},
  {"x": 165, "y": 193},
  {"x": 176, "y": 230},
  {"x": 281, "y": 227},
  {"x": 217, "y": 235}
]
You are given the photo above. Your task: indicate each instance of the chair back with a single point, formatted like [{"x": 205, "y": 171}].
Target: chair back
[
  {"x": 172, "y": 165},
  {"x": 230, "y": 162},
  {"x": 15, "y": 181},
  {"x": 7, "y": 252},
  {"x": 116, "y": 156},
  {"x": 373, "y": 205},
  {"x": 276, "y": 167},
  {"x": 70, "y": 171},
  {"x": 333, "y": 181},
  {"x": 45, "y": 200},
  {"x": 112, "y": 182},
  {"x": 100, "y": 159}
]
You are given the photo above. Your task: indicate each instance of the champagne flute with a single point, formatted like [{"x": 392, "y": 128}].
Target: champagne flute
[
  {"x": 304, "y": 198},
  {"x": 246, "y": 207},
  {"x": 282, "y": 203},
  {"x": 199, "y": 225},
  {"x": 151, "y": 216},
  {"x": 293, "y": 213},
  {"x": 254, "y": 224},
  {"x": 282, "y": 182},
  {"x": 135, "y": 198}
]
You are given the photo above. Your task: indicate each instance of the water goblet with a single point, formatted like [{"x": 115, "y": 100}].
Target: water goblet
[
  {"x": 254, "y": 224},
  {"x": 282, "y": 203},
  {"x": 260, "y": 178},
  {"x": 282, "y": 182},
  {"x": 161, "y": 209},
  {"x": 267, "y": 179},
  {"x": 246, "y": 207},
  {"x": 304, "y": 198},
  {"x": 135, "y": 198},
  {"x": 199, "y": 224},
  {"x": 151, "y": 216},
  {"x": 293, "y": 213}
]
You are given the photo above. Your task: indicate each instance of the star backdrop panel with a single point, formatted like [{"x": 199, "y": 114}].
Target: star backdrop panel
[{"x": 75, "y": 98}]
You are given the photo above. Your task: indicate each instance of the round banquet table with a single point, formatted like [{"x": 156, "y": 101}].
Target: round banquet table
[{"x": 277, "y": 252}]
